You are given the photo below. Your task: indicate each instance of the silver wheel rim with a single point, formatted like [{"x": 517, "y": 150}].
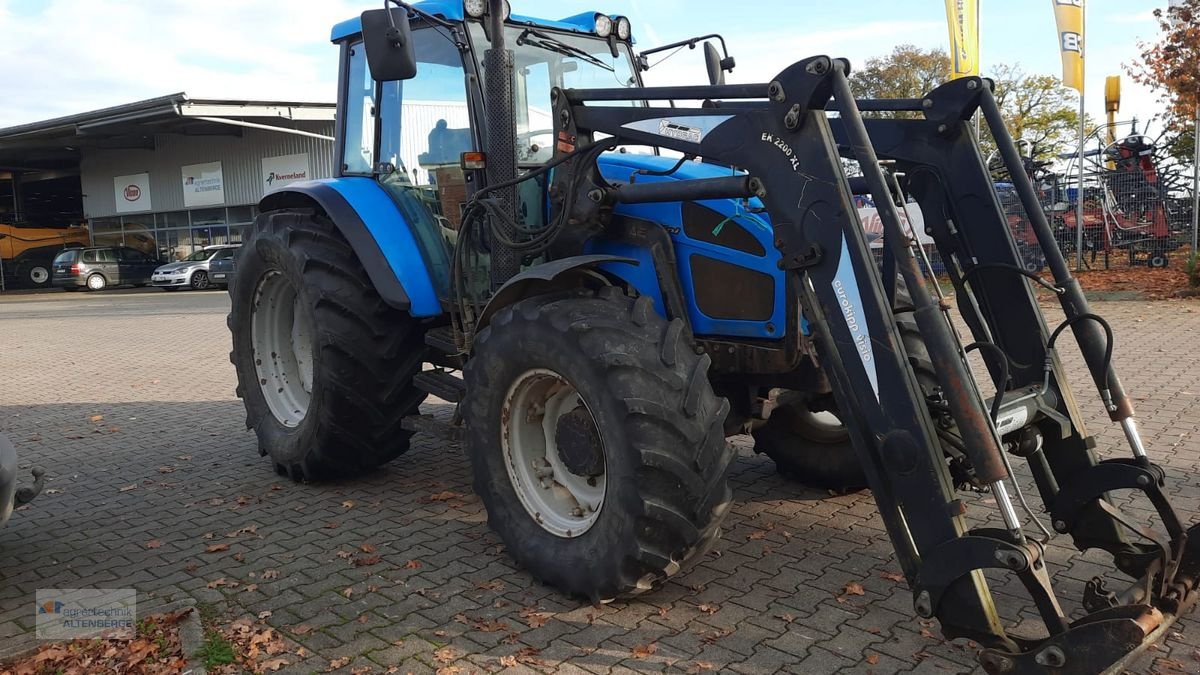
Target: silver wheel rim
[
  {"x": 39, "y": 275},
  {"x": 283, "y": 353},
  {"x": 199, "y": 281},
  {"x": 95, "y": 282},
  {"x": 564, "y": 504}
]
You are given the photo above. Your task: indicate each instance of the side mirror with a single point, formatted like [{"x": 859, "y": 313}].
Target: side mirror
[
  {"x": 388, "y": 41},
  {"x": 712, "y": 61}
]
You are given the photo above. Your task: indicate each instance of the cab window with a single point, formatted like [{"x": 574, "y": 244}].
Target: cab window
[{"x": 358, "y": 141}]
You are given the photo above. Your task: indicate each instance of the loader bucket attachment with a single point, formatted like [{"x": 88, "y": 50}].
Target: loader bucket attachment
[{"x": 781, "y": 136}]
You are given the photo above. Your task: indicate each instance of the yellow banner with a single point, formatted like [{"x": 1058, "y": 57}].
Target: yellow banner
[
  {"x": 1069, "y": 16},
  {"x": 963, "y": 19}
]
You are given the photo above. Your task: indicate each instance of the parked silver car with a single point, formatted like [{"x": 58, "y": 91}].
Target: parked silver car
[{"x": 191, "y": 272}]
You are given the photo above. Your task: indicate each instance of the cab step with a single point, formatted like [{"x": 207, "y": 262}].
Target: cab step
[
  {"x": 442, "y": 384},
  {"x": 444, "y": 349}
]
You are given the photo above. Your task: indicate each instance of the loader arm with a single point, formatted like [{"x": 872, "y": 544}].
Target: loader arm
[{"x": 787, "y": 153}]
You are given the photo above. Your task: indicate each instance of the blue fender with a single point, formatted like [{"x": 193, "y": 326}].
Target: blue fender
[{"x": 377, "y": 230}]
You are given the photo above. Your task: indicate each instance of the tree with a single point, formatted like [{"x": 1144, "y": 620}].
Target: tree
[
  {"x": 908, "y": 72},
  {"x": 1036, "y": 108},
  {"x": 1171, "y": 68}
]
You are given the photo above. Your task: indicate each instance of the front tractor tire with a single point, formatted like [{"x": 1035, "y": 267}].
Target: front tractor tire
[
  {"x": 324, "y": 365},
  {"x": 810, "y": 447},
  {"x": 596, "y": 442}
]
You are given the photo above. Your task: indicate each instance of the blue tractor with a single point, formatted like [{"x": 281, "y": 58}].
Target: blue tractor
[{"x": 607, "y": 286}]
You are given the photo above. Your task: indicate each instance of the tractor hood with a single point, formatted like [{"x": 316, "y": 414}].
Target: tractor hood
[{"x": 620, "y": 166}]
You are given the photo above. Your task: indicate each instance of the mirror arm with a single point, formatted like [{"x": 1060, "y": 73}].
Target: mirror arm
[{"x": 690, "y": 43}]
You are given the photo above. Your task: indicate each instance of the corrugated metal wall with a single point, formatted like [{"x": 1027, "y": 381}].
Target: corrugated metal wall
[{"x": 240, "y": 157}]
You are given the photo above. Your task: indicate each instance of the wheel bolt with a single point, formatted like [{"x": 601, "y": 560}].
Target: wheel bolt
[{"x": 577, "y": 512}]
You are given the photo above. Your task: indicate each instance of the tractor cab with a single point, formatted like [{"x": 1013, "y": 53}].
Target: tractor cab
[{"x": 423, "y": 137}]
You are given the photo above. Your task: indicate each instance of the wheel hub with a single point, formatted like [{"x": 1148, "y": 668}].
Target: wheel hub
[
  {"x": 579, "y": 446},
  {"x": 553, "y": 452},
  {"x": 283, "y": 350}
]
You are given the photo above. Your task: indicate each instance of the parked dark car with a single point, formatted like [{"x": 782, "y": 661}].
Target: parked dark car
[
  {"x": 98, "y": 267},
  {"x": 221, "y": 270}
]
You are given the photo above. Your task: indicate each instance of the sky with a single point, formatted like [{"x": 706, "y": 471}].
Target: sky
[{"x": 66, "y": 56}]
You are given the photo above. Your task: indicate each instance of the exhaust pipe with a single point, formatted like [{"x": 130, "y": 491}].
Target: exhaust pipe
[{"x": 501, "y": 140}]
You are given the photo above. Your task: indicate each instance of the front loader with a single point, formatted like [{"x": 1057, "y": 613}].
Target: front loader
[{"x": 615, "y": 315}]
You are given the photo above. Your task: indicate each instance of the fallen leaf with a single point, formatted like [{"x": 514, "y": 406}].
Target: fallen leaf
[
  {"x": 445, "y": 655},
  {"x": 508, "y": 661},
  {"x": 216, "y": 548},
  {"x": 337, "y": 663},
  {"x": 183, "y": 458},
  {"x": 154, "y": 543},
  {"x": 250, "y": 588},
  {"x": 700, "y": 667},
  {"x": 127, "y": 488},
  {"x": 444, "y": 496},
  {"x": 412, "y": 565},
  {"x": 344, "y": 555},
  {"x": 786, "y": 617},
  {"x": 270, "y": 574},
  {"x": 892, "y": 576},
  {"x": 96, "y": 418},
  {"x": 872, "y": 659},
  {"x": 367, "y": 561},
  {"x": 348, "y": 504},
  {"x": 273, "y": 664},
  {"x": 493, "y": 585},
  {"x": 363, "y": 618},
  {"x": 349, "y": 591},
  {"x": 662, "y": 611},
  {"x": 644, "y": 651},
  {"x": 302, "y": 629},
  {"x": 757, "y": 534},
  {"x": 448, "y": 670},
  {"x": 852, "y": 588},
  {"x": 709, "y": 608},
  {"x": 265, "y": 614},
  {"x": 217, "y": 583}
]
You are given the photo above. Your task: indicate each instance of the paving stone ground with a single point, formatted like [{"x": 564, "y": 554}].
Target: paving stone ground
[{"x": 137, "y": 498}]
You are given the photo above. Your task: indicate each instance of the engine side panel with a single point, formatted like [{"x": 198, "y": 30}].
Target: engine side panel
[{"x": 727, "y": 260}]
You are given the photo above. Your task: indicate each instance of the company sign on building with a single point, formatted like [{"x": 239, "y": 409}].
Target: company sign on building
[
  {"x": 132, "y": 193},
  {"x": 203, "y": 185},
  {"x": 283, "y": 170}
]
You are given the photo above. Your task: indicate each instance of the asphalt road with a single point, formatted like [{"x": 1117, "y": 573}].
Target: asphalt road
[{"x": 118, "y": 302}]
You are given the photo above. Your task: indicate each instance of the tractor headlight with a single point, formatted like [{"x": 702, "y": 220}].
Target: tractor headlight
[
  {"x": 477, "y": 9},
  {"x": 604, "y": 25},
  {"x": 624, "y": 29}
]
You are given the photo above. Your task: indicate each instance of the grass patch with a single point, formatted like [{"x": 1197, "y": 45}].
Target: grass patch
[{"x": 216, "y": 650}]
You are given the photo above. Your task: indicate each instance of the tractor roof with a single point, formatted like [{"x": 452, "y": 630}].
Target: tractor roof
[{"x": 452, "y": 10}]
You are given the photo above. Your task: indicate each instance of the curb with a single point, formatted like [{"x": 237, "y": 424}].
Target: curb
[{"x": 191, "y": 637}]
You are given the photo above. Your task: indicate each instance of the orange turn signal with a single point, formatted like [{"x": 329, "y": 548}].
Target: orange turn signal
[{"x": 473, "y": 161}]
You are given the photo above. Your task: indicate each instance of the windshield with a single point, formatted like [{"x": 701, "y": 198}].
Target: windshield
[
  {"x": 199, "y": 256},
  {"x": 545, "y": 59}
]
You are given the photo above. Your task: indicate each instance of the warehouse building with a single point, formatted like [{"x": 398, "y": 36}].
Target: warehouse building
[{"x": 166, "y": 175}]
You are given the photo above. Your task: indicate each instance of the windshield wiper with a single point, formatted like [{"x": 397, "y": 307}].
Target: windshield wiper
[{"x": 550, "y": 44}]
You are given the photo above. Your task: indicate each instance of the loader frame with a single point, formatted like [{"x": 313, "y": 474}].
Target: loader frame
[{"x": 787, "y": 152}]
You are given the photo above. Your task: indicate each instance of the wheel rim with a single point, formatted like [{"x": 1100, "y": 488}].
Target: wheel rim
[
  {"x": 283, "y": 352},
  {"x": 199, "y": 281},
  {"x": 39, "y": 275},
  {"x": 537, "y": 409},
  {"x": 95, "y": 282}
]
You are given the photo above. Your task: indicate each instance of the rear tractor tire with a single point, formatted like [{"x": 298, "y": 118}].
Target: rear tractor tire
[
  {"x": 597, "y": 442},
  {"x": 324, "y": 365}
]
